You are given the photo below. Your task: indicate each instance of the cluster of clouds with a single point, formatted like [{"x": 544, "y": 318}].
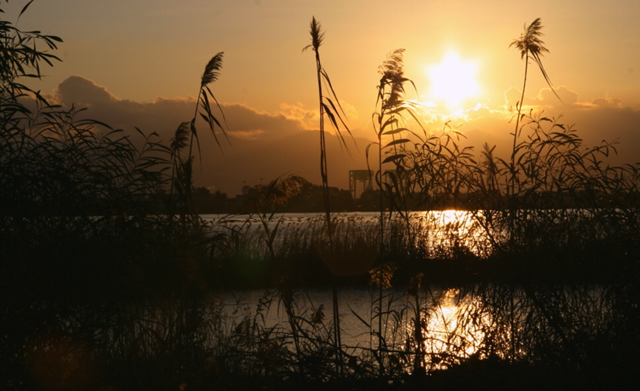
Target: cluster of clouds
[
  {"x": 262, "y": 146},
  {"x": 265, "y": 145},
  {"x": 163, "y": 116},
  {"x": 603, "y": 119}
]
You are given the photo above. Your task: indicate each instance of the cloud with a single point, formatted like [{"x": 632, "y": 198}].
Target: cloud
[
  {"x": 263, "y": 146},
  {"x": 601, "y": 119},
  {"x": 260, "y": 125},
  {"x": 310, "y": 118},
  {"x": 165, "y": 115},
  {"x": 547, "y": 98},
  {"x": 512, "y": 97},
  {"x": 83, "y": 92},
  {"x": 608, "y": 102},
  {"x": 544, "y": 98}
]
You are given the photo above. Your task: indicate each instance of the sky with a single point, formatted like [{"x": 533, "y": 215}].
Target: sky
[{"x": 138, "y": 63}]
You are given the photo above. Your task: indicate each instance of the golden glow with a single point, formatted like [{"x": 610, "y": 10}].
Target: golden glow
[
  {"x": 451, "y": 330},
  {"x": 453, "y": 80},
  {"x": 452, "y": 230}
]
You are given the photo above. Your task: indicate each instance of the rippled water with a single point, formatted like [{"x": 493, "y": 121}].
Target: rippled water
[
  {"x": 439, "y": 230},
  {"x": 455, "y": 324},
  {"x": 448, "y": 330}
]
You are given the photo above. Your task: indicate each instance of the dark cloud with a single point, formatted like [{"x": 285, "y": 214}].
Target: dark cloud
[
  {"x": 252, "y": 124},
  {"x": 262, "y": 146},
  {"x": 265, "y": 146},
  {"x": 165, "y": 115},
  {"x": 83, "y": 92}
]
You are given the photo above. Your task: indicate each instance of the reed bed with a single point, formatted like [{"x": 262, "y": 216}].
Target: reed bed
[{"x": 111, "y": 280}]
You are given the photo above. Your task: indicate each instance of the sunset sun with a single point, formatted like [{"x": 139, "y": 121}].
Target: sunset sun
[{"x": 453, "y": 80}]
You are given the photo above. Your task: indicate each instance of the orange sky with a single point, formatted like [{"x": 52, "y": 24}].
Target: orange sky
[{"x": 138, "y": 62}]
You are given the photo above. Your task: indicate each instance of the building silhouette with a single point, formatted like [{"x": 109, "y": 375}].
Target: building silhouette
[{"x": 364, "y": 177}]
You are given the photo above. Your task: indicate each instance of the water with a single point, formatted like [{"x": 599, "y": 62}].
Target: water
[
  {"x": 437, "y": 230},
  {"x": 444, "y": 317},
  {"x": 455, "y": 324}
]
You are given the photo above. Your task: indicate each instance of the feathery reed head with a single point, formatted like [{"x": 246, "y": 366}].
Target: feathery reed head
[
  {"x": 392, "y": 75},
  {"x": 180, "y": 139},
  {"x": 317, "y": 35},
  {"x": 211, "y": 71},
  {"x": 530, "y": 41}
]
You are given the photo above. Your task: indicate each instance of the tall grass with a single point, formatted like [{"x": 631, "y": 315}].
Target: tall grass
[
  {"x": 186, "y": 134},
  {"x": 537, "y": 285},
  {"x": 89, "y": 253},
  {"x": 530, "y": 46},
  {"x": 329, "y": 105}
]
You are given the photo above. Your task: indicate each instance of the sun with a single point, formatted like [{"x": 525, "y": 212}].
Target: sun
[{"x": 453, "y": 80}]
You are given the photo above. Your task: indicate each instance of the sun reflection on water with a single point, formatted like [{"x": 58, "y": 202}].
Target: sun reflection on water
[
  {"x": 451, "y": 330},
  {"x": 453, "y": 231}
]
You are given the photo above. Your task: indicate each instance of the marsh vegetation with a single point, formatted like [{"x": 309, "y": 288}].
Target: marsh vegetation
[{"x": 110, "y": 279}]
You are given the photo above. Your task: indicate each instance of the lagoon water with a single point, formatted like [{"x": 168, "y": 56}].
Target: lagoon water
[
  {"x": 438, "y": 229},
  {"x": 441, "y": 311},
  {"x": 454, "y": 324},
  {"x": 446, "y": 327}
]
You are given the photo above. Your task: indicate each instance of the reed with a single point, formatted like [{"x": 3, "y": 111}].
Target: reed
[
  {"x": 329, "y": 105},
  {"x": 530, "y": 46},
  {"x": 537, "y": 284}
]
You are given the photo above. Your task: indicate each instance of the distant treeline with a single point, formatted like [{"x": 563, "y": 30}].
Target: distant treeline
[
  {"x": 305, "y": 198},
  {"x": 308, "y": 198}
]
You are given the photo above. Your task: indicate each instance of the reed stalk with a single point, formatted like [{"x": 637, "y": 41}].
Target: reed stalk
[{"x": 329, "y": 105}]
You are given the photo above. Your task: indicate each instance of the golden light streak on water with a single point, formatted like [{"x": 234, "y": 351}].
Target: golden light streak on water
[
  {"x": 451, "y": 334},
  {"x": 450, "y": 232}
]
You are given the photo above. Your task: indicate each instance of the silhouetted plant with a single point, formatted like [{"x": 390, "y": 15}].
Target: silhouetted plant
[
  {"x": 86, "y": 238},
  {"x": 182, "y": 180},
  {"x": 388, "y": 121},
  {"x": 101, "y": 288},
  {"x": 21, "y": 59},
  {"x": 329, "y": 105},
  {"x": 530, "y": 46}
]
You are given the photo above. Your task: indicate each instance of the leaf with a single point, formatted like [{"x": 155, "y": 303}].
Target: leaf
[
  {"x": 332, "y": 118},
  {"x": 395, "y": 131},
  {"x": 53, "y": 37},
  {"x": 25, "y": 8},
  {"x": 192, "y": 127},
  {"x": 210, "y": 118},
  {"x": 393, "y": 158},
  {"x": 397, "y": 142},
  {"x": 333, "y": 93},
  {"x": 219, "y": 108},
  {"x": 389, "y": 122},
  {"x": 360, "y": 318},
  {"x": 335, "y": 110}
]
